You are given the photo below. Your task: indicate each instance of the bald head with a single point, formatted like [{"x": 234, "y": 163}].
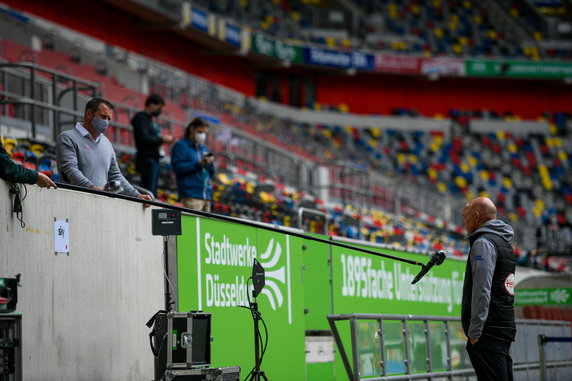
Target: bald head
[{"x": 477, "y": 212}]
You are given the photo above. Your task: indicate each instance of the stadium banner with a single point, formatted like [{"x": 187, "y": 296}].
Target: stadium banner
[
  {"x": 518, "y": 69},
  {"x": 199, "y": 19},
  {"x": 276, "y": 48},
  {"x": 443, "y": 66},
  {"x": 368, "y": 284},
  {"x": 338, "y": 59},
  {"x": 397, "y": 64},
  {"x": 305, "y": 281},
  {"x": 214, "y": 263},
  {"x": 527, "y": 297},
  {"x": 229, "y": 33}
]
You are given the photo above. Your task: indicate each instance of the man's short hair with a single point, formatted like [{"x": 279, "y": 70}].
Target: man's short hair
[
  {"x": 154, "y": 99},
  {"x": 195, "y": 123},
  {"x": 94, "y": 103}
]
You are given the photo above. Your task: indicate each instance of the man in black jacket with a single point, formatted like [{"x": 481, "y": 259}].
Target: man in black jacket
[
  {"x": 487, "y": 311},
  {"x": 148, "y": 141},
  {"x": 15, "y": 173}
]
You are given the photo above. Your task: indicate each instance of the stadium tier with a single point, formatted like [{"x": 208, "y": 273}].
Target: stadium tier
[
  {"x": 347, "y": 143},
  {"x": 524, "y": 172}
]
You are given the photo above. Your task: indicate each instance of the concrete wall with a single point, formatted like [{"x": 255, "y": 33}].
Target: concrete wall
[{"x": 84, "y": 314}]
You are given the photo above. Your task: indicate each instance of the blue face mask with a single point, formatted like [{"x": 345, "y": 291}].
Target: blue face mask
[{"x": 99, "y": 125}]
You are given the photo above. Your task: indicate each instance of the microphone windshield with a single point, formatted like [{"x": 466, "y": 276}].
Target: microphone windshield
[{"x": 438, "y": 257}]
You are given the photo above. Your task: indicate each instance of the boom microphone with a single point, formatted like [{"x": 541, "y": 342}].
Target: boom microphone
[{"x": 436, "y": 259}]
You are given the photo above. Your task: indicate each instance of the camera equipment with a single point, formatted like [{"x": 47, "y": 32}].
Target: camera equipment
[
  {"x": 9, "y": 294},
  {"x": 180, "y": 340},
  {"x": 11, "y": 347},
  {"x": 113, "y": 186},
  {"x": 205, "y": 374},
  {"x": 166, "y": 222},
  {"x": 258, "y": 282},
  {"x": 258, "y": 279}
]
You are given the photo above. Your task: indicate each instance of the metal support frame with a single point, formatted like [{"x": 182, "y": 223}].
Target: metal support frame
[
  {"x": 353, "y": 370},
  {"x": 542, "y": 341},
  {"x": 302, "y": 211}
]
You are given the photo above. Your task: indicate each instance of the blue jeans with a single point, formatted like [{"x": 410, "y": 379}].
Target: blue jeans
[{"x": 149, "y": 170}]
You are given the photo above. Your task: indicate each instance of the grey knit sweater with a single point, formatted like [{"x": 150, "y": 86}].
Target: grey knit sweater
[{"x": 85, "y": 163}]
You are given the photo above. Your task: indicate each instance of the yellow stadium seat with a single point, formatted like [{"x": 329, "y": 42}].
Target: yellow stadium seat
[{"x": 330, "y": 41}]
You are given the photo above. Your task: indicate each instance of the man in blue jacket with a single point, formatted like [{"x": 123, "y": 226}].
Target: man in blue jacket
[
  {"x": 487, "y": 311},
  {"x": 193, "y": 165}
]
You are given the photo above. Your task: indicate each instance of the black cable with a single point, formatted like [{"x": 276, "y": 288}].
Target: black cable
[
  {"x": 259, "y": 316},
  {"x": 17, "y": 208},
  {"x": 263, "y": 345},
  {"x": 256, "y": 315},
  {"x": 250, "y": 309},
  {"x": 266, "y": 340}
]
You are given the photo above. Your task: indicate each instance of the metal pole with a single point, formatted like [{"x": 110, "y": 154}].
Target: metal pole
[
  {"x": 542, "y": 355},
  {"x": 55, "y": 113},
  {"x": 405, "y": 333},
  {"x": 341, "y": 348},
  {"x": 448, "y": 342},
  {"x": 428, "y": 348},
  {"x": 382, "y": 349},
  {"x": 32, "y": 96},
  {"x": 74, "y": 97},
  {"x": 166, "y": 258},
  {"x": 355, "y": 348},
  {"x": 5, "y": 84}
]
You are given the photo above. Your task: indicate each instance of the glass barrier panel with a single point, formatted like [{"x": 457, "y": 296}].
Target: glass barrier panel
[
  {"x": 417, "y": 346},
  {"x": 459, "y": 356},
  {"x": 369, "y": 347},
  {"x": 394, "y": 347},
  {"x": 438, "y": 343}
]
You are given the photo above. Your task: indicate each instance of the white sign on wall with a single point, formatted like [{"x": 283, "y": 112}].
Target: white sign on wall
[{"x": 61, "y": 237}]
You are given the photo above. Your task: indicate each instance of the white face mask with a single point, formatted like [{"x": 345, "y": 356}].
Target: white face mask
[{"x": 200, "y": 137}]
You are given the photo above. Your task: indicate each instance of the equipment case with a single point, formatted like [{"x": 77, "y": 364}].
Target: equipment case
[
  {"x": 203, "y": 374},
  {"x": 182, "y": 340}
]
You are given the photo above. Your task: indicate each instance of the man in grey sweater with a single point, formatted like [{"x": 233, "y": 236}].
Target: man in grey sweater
[
  {"x": 487, "y": 311},
  {"x": 86, "y": 157}
]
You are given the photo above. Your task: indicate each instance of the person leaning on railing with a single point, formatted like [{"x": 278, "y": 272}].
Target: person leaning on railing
[
  {"x": 15, "y": 173},
  {"x": 86, "y": 157}
]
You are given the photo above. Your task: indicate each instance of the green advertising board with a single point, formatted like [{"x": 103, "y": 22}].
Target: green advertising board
[
  {"x": 525, "y": 297},
  {"x": 214, "y": 262},
  {"x": 363, "y": 283},
  {"x": 518, "y": 69},
  {"x": 276, "y": 48}
]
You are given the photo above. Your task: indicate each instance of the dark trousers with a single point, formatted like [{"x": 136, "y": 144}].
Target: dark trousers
[
  {"x": 491, "y": 359},
  {"x": 149, "y": 170}
]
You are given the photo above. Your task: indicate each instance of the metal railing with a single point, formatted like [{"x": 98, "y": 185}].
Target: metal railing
[
  {"x": 43, "y": 96},
  {"x": 542, "y": 341},
  {"x": 406, "y": 347}
]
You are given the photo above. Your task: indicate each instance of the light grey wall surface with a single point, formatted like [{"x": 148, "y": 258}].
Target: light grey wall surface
[{"x": 84, "y": 314}]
